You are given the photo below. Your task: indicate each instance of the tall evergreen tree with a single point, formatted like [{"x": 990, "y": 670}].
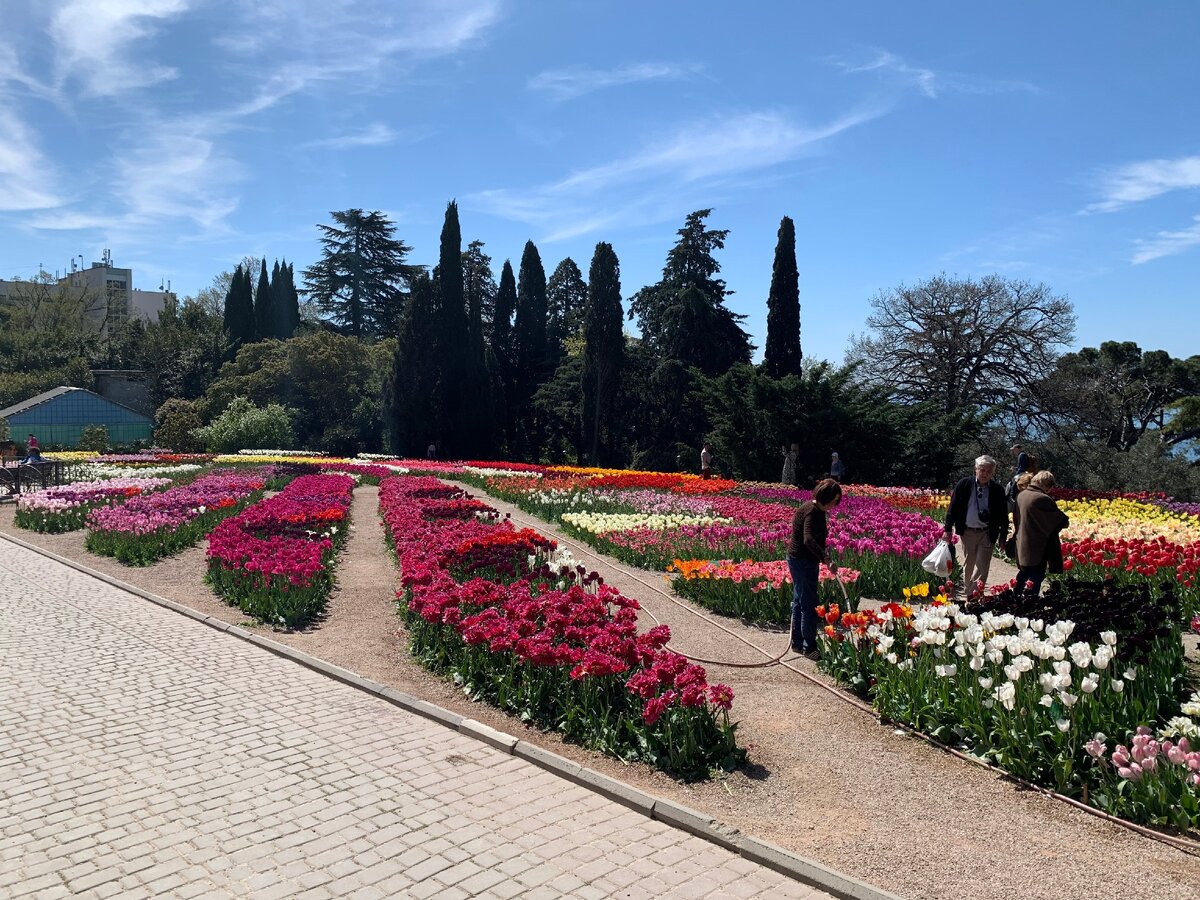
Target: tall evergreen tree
[
  {"x": 264, "y": 307},
  {"x": 410, "y": 390},
  {"x": 566, "y": 296},
  {"x": 691, "y": 295},
  {"x": 479, "y": 287},
  {"x": 502, "y": 354},
  {"x": 529, "y": 349},
  {"x": 782, "y": 356},
  {"x": 603, "y": 351},
  {"x": 289, "y": 305},
  {"x": 457, "y": 375},
  {"x": 361, "y": 280},
  {"x": 239, "y": 311}
]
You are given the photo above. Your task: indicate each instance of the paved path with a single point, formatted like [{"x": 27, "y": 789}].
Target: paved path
[{"x": 145, "y": 755}]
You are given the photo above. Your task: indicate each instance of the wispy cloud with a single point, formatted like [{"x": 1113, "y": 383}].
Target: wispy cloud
[
  {"x": 1167, "y": 243},
  {"x": 377, "y": 134},
  {"x": 575, "y": 81},
  {"x": 93, "y": 41},
  {"x": 930, "y": 82},
  {"x": 26, "y": 177},
  {"x": 1145, "y": 180},
  {"x": 696, "y": 155}
]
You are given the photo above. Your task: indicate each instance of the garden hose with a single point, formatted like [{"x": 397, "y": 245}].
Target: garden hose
[{"x": 1182, "y": 844}]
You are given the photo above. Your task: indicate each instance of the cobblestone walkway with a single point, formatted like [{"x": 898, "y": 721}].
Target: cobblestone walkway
[{"x": 146, "y": 755}]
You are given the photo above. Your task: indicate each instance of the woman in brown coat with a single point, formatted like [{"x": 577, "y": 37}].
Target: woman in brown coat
[{"x": 1039, "y": 522}]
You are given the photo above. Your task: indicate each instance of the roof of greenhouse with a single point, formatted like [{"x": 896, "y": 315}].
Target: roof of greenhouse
[{"x": 54, "y": 393}]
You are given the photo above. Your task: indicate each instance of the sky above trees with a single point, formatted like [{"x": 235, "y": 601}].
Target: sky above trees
[{"x": 1053, "y": 143}]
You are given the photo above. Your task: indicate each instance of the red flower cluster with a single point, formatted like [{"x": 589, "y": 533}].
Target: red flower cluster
[
  {"x": 567, "y": 619},
  {"x": 1148, "y": 558},
  {"x": 280, "y": 546}
]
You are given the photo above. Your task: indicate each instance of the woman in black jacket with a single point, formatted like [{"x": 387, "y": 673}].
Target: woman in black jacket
[{"x": 806, "y": 552}]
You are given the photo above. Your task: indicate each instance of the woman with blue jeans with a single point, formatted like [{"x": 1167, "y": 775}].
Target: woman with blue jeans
[{"x": 806, "y": 552}]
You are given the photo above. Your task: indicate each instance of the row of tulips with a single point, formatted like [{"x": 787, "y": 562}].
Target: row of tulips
[
  {"x": 1027, "y": 694},
  {"x": 146, "y": 528},
  {"x": 58, "y": 509},
  {"x": 759, "y": 592},
  {"x": 275, "y": 559},
  {"x": 518, "y": 625}
]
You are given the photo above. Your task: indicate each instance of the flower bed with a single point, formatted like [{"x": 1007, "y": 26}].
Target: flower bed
[
  {"x": 494, "y": 607},
  {"x": 147, "y": 528},
  {"x": 98, "y": 470},
  {"x": 759, "y": 592},
  {"x": 58, "y": 509},
  {"x": 1024, "y": 693},
  {"x": 275, "y": 559}
]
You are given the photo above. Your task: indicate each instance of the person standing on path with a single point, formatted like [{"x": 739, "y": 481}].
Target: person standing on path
[
  {"x": 806, "y": 551},
  {"x": 1039, "y": 522},
  {"x": 33, "y": 451},
  {"x": 705, "y": 461},
  {"x": 837, "y": 468},
  {"x": 979, "y": 513},
  {"x": 1022, "y": 459},
  {"x": 790, "y": 457}
]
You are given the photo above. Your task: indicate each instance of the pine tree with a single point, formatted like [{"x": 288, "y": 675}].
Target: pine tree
[
  {"x": 264, "y": 307},
  {"x": 782, "y": 356},
  {"x": 566, "y": 295},
  {"x": 603, "y": 350},
  {"x": 361, "y": 279},
  {"x": 479, "y": 287},
  {"x": 529, "y": 349},
  {"x": 501, "y": 353},
  {"x": 691, "y": 296},
  {"x": 239, "y": 311}
]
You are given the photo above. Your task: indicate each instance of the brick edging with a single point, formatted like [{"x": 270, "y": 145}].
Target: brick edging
[{"x": 700, "y": 824}]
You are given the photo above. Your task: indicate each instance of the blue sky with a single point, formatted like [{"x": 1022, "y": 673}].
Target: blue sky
[{"x": 1051, "y": 142}]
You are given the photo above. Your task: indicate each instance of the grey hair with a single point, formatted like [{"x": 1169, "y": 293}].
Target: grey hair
[
  {"x": 985, "y": 461},
  {"x": 1043, "y": 479}
]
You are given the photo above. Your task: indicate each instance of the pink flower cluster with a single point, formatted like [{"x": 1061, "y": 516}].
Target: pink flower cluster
[
  {"x": 150, "y": 513},
  {"x": 71, "y": 496},
  {"x": 289, "y": 535},
  {"x": 1146, "y": 754},
  {"x": 582, "y": 625}
]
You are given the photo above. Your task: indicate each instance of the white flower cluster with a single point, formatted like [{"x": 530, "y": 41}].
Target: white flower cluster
[
  {"x": 485, "y": 472},
  {"x": 1016, "y": 646},
  {"x": 1188, "y": 724},
  {"x": 603, "y": 523},
  {"x": 91, "y": 471}
]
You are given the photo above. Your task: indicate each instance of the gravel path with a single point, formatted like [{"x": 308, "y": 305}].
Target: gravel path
[{"x": 826, "y": 780}]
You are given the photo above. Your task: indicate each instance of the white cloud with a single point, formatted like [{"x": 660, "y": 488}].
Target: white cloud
[
  {"x": 930, "y": 82},
  {"x": 695, "y": 156},
  {"x": 377, "y": 134},
  {"x": 1145, "y": 180},
  {"x": 26, "y": 178},
  {"x": 565, "y": 84},
  {"x": 1167, "y": 243},
  {"x": 93, "y": 41}
]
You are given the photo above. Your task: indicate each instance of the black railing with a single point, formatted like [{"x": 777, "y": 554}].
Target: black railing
[{"x": 16, "y": 476}]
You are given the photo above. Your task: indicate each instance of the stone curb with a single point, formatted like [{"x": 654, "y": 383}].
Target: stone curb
[{"x": 701, "y": 825}]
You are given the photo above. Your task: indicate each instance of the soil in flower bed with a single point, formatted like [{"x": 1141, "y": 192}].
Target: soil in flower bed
[{"x": 825, "y": 780}]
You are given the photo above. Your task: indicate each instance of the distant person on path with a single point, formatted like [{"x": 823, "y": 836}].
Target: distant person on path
[
  {"x": 837, "y": 468},
  {"x": 1022, "y": 459},
  {"x": 806, "y": 551},
  {"x": 706, "y": 462},
  {"x": 979, "y": 513},
  {"x": 1039, "y": 521},
  {"x": 791, "y": 455},
  {"x": 431, "y": 451},
  {"x": 33, "y": 451}
]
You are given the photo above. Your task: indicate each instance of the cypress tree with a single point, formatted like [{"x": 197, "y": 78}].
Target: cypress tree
[
  {"x": 782, "y": 356},
  {"x": 502, "y": 352},
  {"x": 566, "y": 295},
  {"x": 264, "y": 307},
  {"x": 289, "y": 301},
  {"x": 451, "y": 341},
  {"x": 409, "y": 392},
  {"x": 529, "y": 349},
  {"x": 479, "y": 285},
  {"x": 239, "y": 311},
  {"x": 603, "y": 351}
]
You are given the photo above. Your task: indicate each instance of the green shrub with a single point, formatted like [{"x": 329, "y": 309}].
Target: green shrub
[
  {"x": 174, "y": 424},
  {"x": 93, "y": 437},
  {"x": 244, "y": 425}
]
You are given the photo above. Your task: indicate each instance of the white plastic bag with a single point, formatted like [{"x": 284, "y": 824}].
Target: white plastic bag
[{"x": 938, "y": 561}]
